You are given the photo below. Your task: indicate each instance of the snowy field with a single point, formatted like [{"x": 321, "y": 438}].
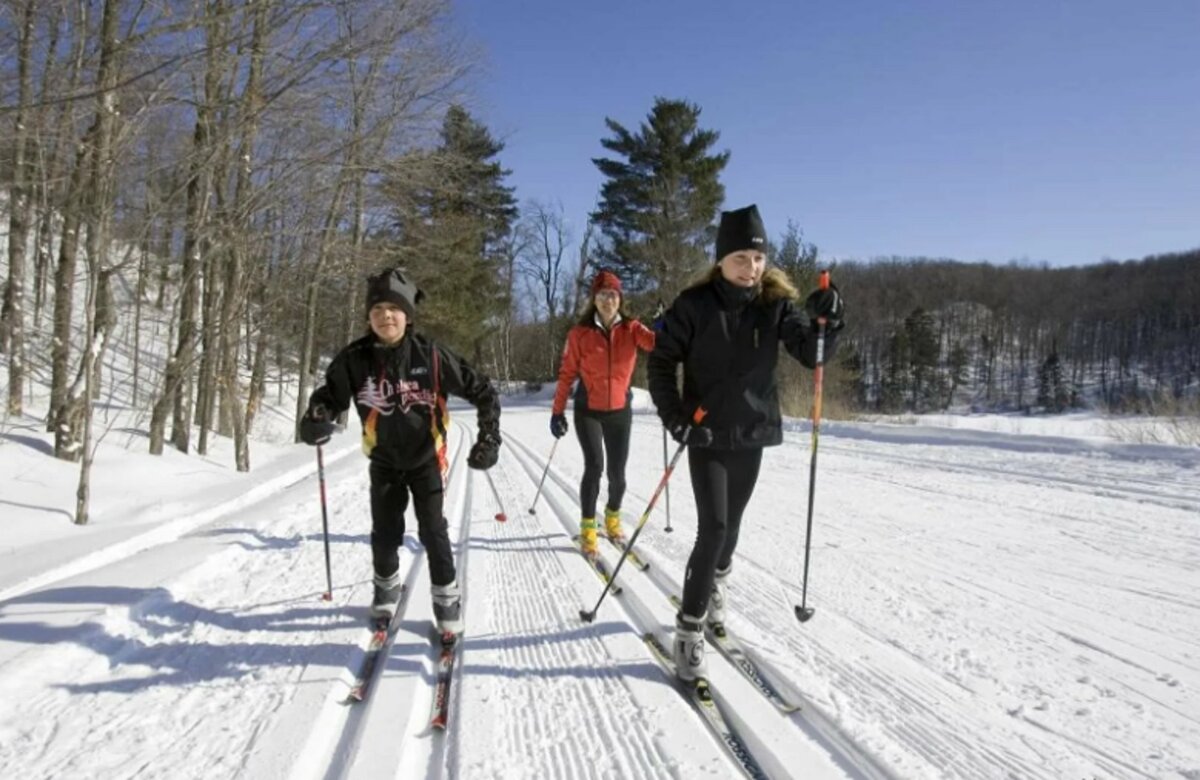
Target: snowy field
[{"x": 988, "y": 604}]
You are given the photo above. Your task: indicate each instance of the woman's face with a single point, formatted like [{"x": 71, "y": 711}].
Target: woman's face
[
  {"x": 743, "y": 268},
  {"x": 388, "y": 322},
  {"x": 607, "y": 303}
]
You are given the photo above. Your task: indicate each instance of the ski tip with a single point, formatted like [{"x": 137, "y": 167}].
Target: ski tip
[{"x": 804, "y": 614}]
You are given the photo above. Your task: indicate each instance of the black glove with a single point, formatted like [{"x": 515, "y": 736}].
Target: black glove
[
  {"x": 825, "y": 303},
  {"x": 558, "y": 425},
  {"x": 485, "y": 452},
  {"x": 685, "y": 432},
  {"x": 317, "y": 426}
]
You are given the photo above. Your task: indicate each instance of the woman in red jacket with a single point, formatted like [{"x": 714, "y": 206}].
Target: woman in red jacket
[{"x": 601, "y": 351}]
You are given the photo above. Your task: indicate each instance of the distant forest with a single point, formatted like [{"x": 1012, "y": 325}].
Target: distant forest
[{"x": 931, "y": 334}]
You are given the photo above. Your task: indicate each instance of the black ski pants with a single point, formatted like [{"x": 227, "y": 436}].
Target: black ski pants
[
  {"x": 390, "y": 489},
  {"x": 722, "y": 482},
  {"x": 598, "y": 432}
]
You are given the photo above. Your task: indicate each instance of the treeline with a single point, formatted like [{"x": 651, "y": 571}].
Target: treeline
[
  {"x": 230, "y": 163},
  {"x": 928, "y": 334}
]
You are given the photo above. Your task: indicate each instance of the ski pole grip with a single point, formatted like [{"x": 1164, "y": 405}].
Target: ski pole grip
[
  {"x": 699, "y": 414},
  {"x": 823, "y": 280}
]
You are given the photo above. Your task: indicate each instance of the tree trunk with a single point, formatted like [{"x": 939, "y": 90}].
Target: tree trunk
[
  {"x": 179, "y": 386},
  {"x": 47, "y": 192},
  {"x": 64, "y": 286},
  {"x": 102, "y": 192},
  {"x": 176, "y": 392},
  {"x": 308, "y": 355},
  {"x": 12, "y": 317}
]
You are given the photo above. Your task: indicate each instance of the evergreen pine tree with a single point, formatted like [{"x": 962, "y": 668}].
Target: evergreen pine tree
[
  {"x": 797, "y": 258},
  {"x": 1053, "y": 393},
  {"x": 659, "y": 201},
  {"x": 924, "y": 353},
  {"x": 453, "y": 233}
]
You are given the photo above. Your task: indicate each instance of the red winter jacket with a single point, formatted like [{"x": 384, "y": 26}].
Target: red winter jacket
[{"x": 603, "y": 360}]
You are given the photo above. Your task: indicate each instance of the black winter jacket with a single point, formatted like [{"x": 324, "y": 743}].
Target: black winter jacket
[
  {"x": 400, "y": 394},
  {"x": 728, "y": 341}
]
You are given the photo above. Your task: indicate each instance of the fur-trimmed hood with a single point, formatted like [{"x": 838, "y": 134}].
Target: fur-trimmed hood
[{"x": 775, "y": 285}]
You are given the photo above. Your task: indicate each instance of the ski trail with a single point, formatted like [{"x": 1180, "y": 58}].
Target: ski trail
[
  {"x": 164, "y": 649},
  {"x": 388, "y": 734},
  {"x": 946, "y": 675},
  {"x": 772, "y": 741},
  {"x": 546, "y": 681}
]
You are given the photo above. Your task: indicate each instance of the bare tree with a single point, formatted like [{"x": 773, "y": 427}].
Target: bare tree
[
  {"x": 546, "y": 239},
  {"x": 12, "y": 318}
]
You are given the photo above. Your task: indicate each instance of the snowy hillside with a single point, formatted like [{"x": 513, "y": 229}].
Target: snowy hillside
[{"x": 988, "y": 604}]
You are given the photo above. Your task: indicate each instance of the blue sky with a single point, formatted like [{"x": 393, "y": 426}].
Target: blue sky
[{"x": 1063, "y": 132}]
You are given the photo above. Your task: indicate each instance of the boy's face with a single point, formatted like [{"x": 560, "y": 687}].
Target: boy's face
[{"x": 388, "y": 322}]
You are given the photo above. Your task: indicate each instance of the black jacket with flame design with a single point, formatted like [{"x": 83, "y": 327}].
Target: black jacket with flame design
[{"x": 400, "y": 393}]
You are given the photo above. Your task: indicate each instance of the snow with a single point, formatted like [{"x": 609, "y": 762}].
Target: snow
[{"x": 994, "y": 597}]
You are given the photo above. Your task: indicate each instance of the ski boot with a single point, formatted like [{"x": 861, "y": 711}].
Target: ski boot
[
  {"x": 447, "y": 608},
  {"x": 387, "y": 596},
  {"x": 612, "y": 525},
  {"x": 587, "y": 537},
  {"x": 688, "y": 648}
]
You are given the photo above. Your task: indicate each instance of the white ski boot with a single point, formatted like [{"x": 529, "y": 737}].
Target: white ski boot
[
  {"x": 387, "y": 596},
  {"x": 447, "y": 608},
  {"x": 688, "y": 648}
]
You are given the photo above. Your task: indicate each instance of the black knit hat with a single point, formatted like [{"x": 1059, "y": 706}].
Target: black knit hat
[
  {"x": 393, "y": 287},
  {"x": 741, "y": 229}
]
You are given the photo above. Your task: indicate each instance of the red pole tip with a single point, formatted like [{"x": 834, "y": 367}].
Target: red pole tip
[
  {"x": 326, "y": 597},
  {"x": 699, "y": 415},
  {"x": 501, "y": 517}
]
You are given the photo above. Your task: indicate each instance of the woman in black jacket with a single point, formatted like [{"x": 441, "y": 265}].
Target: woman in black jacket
[{"x": 726, "y": 331}]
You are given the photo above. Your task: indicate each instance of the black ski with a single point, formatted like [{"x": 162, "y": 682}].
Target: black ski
[
  {"x": 382, "y": 631},
  {"x": 439, "y": 715},
  {"x": 700, "y": 695},
  {"x": 729, "y": 647},
  {"x": 641, "y": 563}
]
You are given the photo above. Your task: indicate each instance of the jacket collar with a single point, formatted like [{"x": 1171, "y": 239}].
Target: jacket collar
[
  {"x": 731, "y": 296},
  {"x": 600, "y": 323}
]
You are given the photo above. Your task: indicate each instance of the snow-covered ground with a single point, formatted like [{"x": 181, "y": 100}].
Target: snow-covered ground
[{"x": 989, "y": 603}]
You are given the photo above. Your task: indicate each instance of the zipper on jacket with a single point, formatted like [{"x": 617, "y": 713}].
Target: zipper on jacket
[{"x": 608, "y": 396}]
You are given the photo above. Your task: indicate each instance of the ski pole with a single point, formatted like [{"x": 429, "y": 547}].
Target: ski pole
[
  {"x": 590, "y": 615},
  {"x": 803, "y": 611},
  {"x": 533, "y": 506},
  {"x": 500, "y": 516},
  {"x": 668, "y": 529},
  {"x": 328, "y": 595}
]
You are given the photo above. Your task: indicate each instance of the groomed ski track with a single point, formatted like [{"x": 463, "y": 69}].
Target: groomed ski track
[{"x": 210, "y": 654}]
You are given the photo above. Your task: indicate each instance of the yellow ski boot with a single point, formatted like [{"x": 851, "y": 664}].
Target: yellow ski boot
[
  {"x": 612, "y": 525},
  {"x": 587, "y": 537}
]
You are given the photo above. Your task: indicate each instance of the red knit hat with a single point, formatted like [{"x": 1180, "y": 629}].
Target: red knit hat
[{"x": 606, "y": 280}]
